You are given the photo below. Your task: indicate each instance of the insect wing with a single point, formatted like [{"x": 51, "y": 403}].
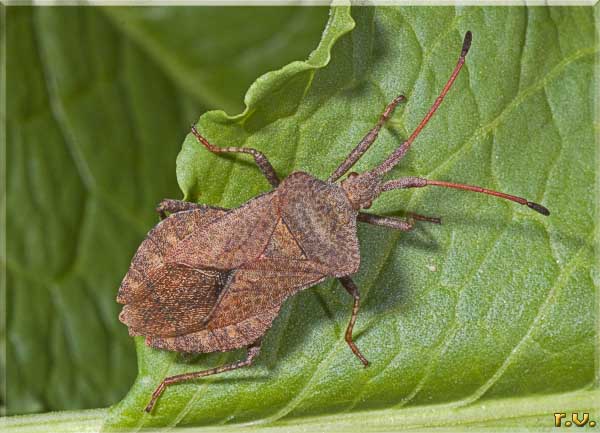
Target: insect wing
[
  {"x": 248, "y": 306},
  {"x": 253, "y": 297},
  {"x": 168, "y": 298},
  {"x": 237, "y": 237},
  {"x": 268, "y": 282}
]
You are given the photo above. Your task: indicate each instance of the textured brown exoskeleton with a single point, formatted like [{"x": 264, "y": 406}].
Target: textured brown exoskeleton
[{"x": 208, "y": 279}]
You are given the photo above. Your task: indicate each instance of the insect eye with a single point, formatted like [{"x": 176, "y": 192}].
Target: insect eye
[
  {"x": 352, "y": 175},
  {"x": 367, "y": 205}
]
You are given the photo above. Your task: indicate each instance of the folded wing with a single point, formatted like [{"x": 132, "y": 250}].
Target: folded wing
[
  {"x": 169, "y": 298},
  {"x": 253, "y": 297}
]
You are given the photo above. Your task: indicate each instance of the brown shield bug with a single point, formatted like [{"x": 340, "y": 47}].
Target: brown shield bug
[{"x": 208, "y": 279}]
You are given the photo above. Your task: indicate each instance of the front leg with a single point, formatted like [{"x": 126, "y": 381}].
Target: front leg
[
  {"x": 353, "y": 290},
  {"x": 404, "y": 225}
]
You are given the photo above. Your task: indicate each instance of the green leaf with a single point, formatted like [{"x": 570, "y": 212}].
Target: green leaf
[
  {"x": 95, "y": 116},
  {"x": 213, "y": 53},
  {"x": 519, "y": 414},
  {"x": 494, "y": 307}
]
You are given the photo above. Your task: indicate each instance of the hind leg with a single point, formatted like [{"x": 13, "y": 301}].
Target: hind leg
[{"x": 253, "y": 351}]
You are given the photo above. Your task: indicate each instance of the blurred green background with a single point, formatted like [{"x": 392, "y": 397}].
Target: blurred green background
[{"x": 98, "y": 102}]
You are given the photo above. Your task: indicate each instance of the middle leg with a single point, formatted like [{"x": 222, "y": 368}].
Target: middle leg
[
  {"x": 170, "y": 206},
  {"x": 259, "y": 158},
  {"x": 353, "y": 290}
]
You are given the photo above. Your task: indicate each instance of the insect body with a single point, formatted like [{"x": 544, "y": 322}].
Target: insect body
[{"x": 209, "y": 279}]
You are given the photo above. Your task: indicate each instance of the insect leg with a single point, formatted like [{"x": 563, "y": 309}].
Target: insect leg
[
  {"x": 405, "y": 225},
  {"x": 418, "y": 217},
  {"x": 366, "y": 142},
  {"x": 353, "y": 290},
  {"x": 253, "y": 351},
  {"x": 261, "y": 160},
  {"x": 174, "y": 206}
]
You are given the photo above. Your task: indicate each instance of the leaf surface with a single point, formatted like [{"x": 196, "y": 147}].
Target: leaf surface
[{"x": 496, "y": 304}]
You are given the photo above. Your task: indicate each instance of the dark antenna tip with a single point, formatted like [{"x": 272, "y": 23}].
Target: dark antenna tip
[
  {"x": 466, "y": 43},
  {"x": 538, "y": 208},
  {"x": 399, "y": 98}
]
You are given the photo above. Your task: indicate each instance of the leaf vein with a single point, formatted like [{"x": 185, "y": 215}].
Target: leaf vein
[{"x": 542, "y": 311}]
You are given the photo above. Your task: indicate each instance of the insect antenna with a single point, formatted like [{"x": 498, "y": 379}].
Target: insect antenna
[
  {"x": 418, "y": 182},
  {"x": 399, "y": 153}
]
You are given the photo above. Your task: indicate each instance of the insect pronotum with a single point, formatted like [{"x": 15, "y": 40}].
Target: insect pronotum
[{"x": 209, "y": 279}]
